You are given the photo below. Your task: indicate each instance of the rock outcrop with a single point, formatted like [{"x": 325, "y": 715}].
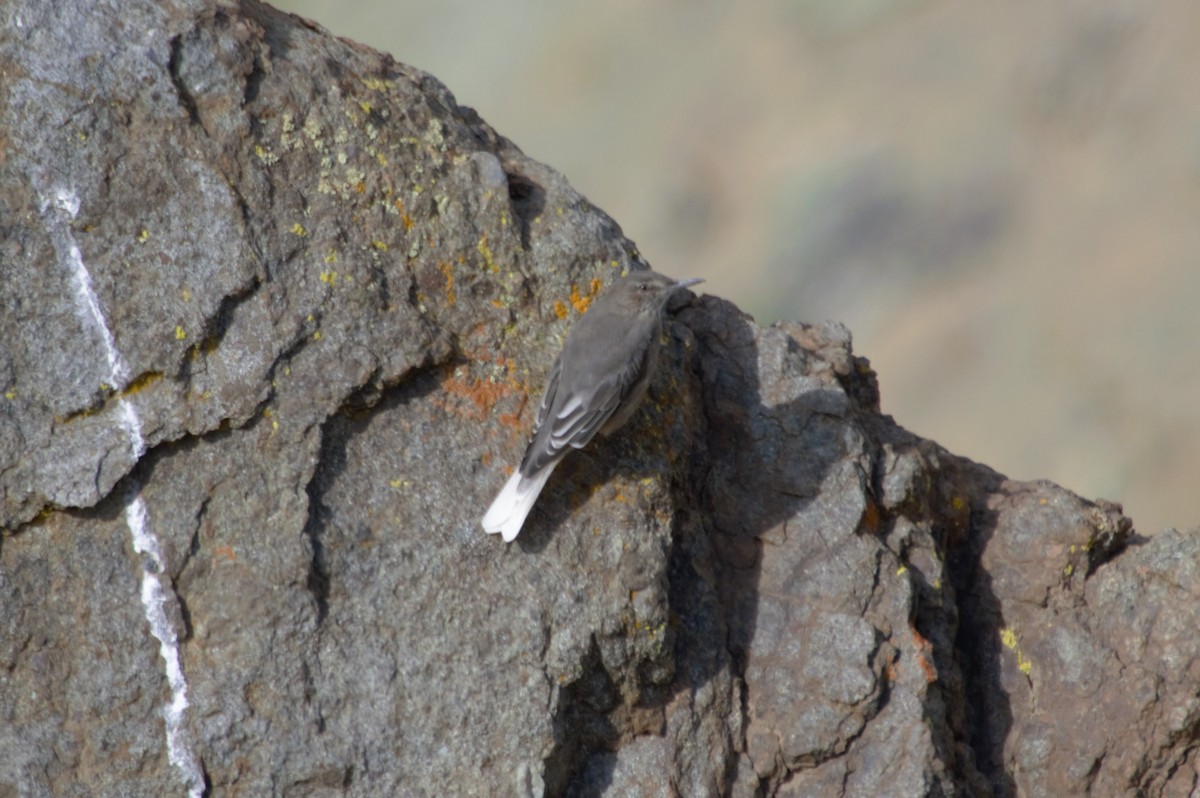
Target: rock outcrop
[{"x": 276, "y": 313}]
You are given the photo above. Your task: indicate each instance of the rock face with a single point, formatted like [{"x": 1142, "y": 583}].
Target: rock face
[{"x": 276, "y": 313}]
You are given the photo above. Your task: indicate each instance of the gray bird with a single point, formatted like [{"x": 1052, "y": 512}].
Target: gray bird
[{"x": 595, "y": 386}]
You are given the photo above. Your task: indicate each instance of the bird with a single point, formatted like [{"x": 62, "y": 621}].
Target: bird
[{"x": 595, "y": 385}]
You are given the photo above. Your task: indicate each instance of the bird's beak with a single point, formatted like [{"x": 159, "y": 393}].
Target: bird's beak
[{"x": 686, "y": 283}]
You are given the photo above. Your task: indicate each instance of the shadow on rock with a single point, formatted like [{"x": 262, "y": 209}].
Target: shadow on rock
[{"x": 770, "y": 583}]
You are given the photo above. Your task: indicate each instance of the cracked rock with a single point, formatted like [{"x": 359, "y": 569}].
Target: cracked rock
[{"x": 280, "y": 305}]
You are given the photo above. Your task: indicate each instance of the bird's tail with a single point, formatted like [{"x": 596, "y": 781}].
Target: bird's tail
[{"x": 512, "y": 505}]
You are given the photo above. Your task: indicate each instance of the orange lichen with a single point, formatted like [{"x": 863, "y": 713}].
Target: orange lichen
[
  {"x": 483, "y": 394},
  {"x": 444, "y": 267},
  {"x": 405, "y": 219},
  {"x": 927, "y": 668},
  {"x": 560, "y": 309},
  {"x": 510, "y": 420},
  {"x": 924, "y": 649},
  {"x": 582, "y": 303}
]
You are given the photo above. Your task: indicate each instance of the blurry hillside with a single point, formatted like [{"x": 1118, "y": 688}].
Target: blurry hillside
[{"x": 1002, "y": 201}]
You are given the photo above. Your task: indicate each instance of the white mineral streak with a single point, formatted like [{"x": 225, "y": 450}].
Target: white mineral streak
[
  {"x": 154, "y": 595},
  {"x": 154, "y": 599}
]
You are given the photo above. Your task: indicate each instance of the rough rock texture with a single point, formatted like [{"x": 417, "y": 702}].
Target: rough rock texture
[{"x": 275, "y": 314}]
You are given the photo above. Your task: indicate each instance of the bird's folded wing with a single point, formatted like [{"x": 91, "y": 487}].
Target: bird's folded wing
[
  {"x": 576, "y": 412},
  {"x": 548, "y": 394}
]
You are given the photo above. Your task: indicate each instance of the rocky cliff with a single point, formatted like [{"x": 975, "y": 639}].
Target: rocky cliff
[{"x": 276, "y": 312}]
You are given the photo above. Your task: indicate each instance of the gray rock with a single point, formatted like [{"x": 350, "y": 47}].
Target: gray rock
[{"x": 276, "y": 314}]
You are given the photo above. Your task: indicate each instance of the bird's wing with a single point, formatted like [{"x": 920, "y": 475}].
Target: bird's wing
[
  {"x": 548, "y": 395},
  {"x": 573, "y": 411}
]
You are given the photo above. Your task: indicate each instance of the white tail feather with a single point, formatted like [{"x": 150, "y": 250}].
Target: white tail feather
[{"x": 512, "y": 505}]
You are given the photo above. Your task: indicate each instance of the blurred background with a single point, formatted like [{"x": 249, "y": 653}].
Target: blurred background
[{"x": 1001, "y": 200}]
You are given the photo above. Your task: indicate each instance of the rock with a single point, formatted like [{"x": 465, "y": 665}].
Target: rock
[{"x": 277, "y": 313}]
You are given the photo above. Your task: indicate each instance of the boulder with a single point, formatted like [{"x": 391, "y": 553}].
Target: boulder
[{"x": 277, "y": 312}]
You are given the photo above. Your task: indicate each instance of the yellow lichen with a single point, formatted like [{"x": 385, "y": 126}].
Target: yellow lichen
[
  {"x": 180, "y": 334},
  {"x": 486, "y": 252},
  {"x": 265, "y": 155},
  {"x": 144, "y": 381},
  {"x": 377, "y": 84},
  {"x": 1009, "y": 638}
]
